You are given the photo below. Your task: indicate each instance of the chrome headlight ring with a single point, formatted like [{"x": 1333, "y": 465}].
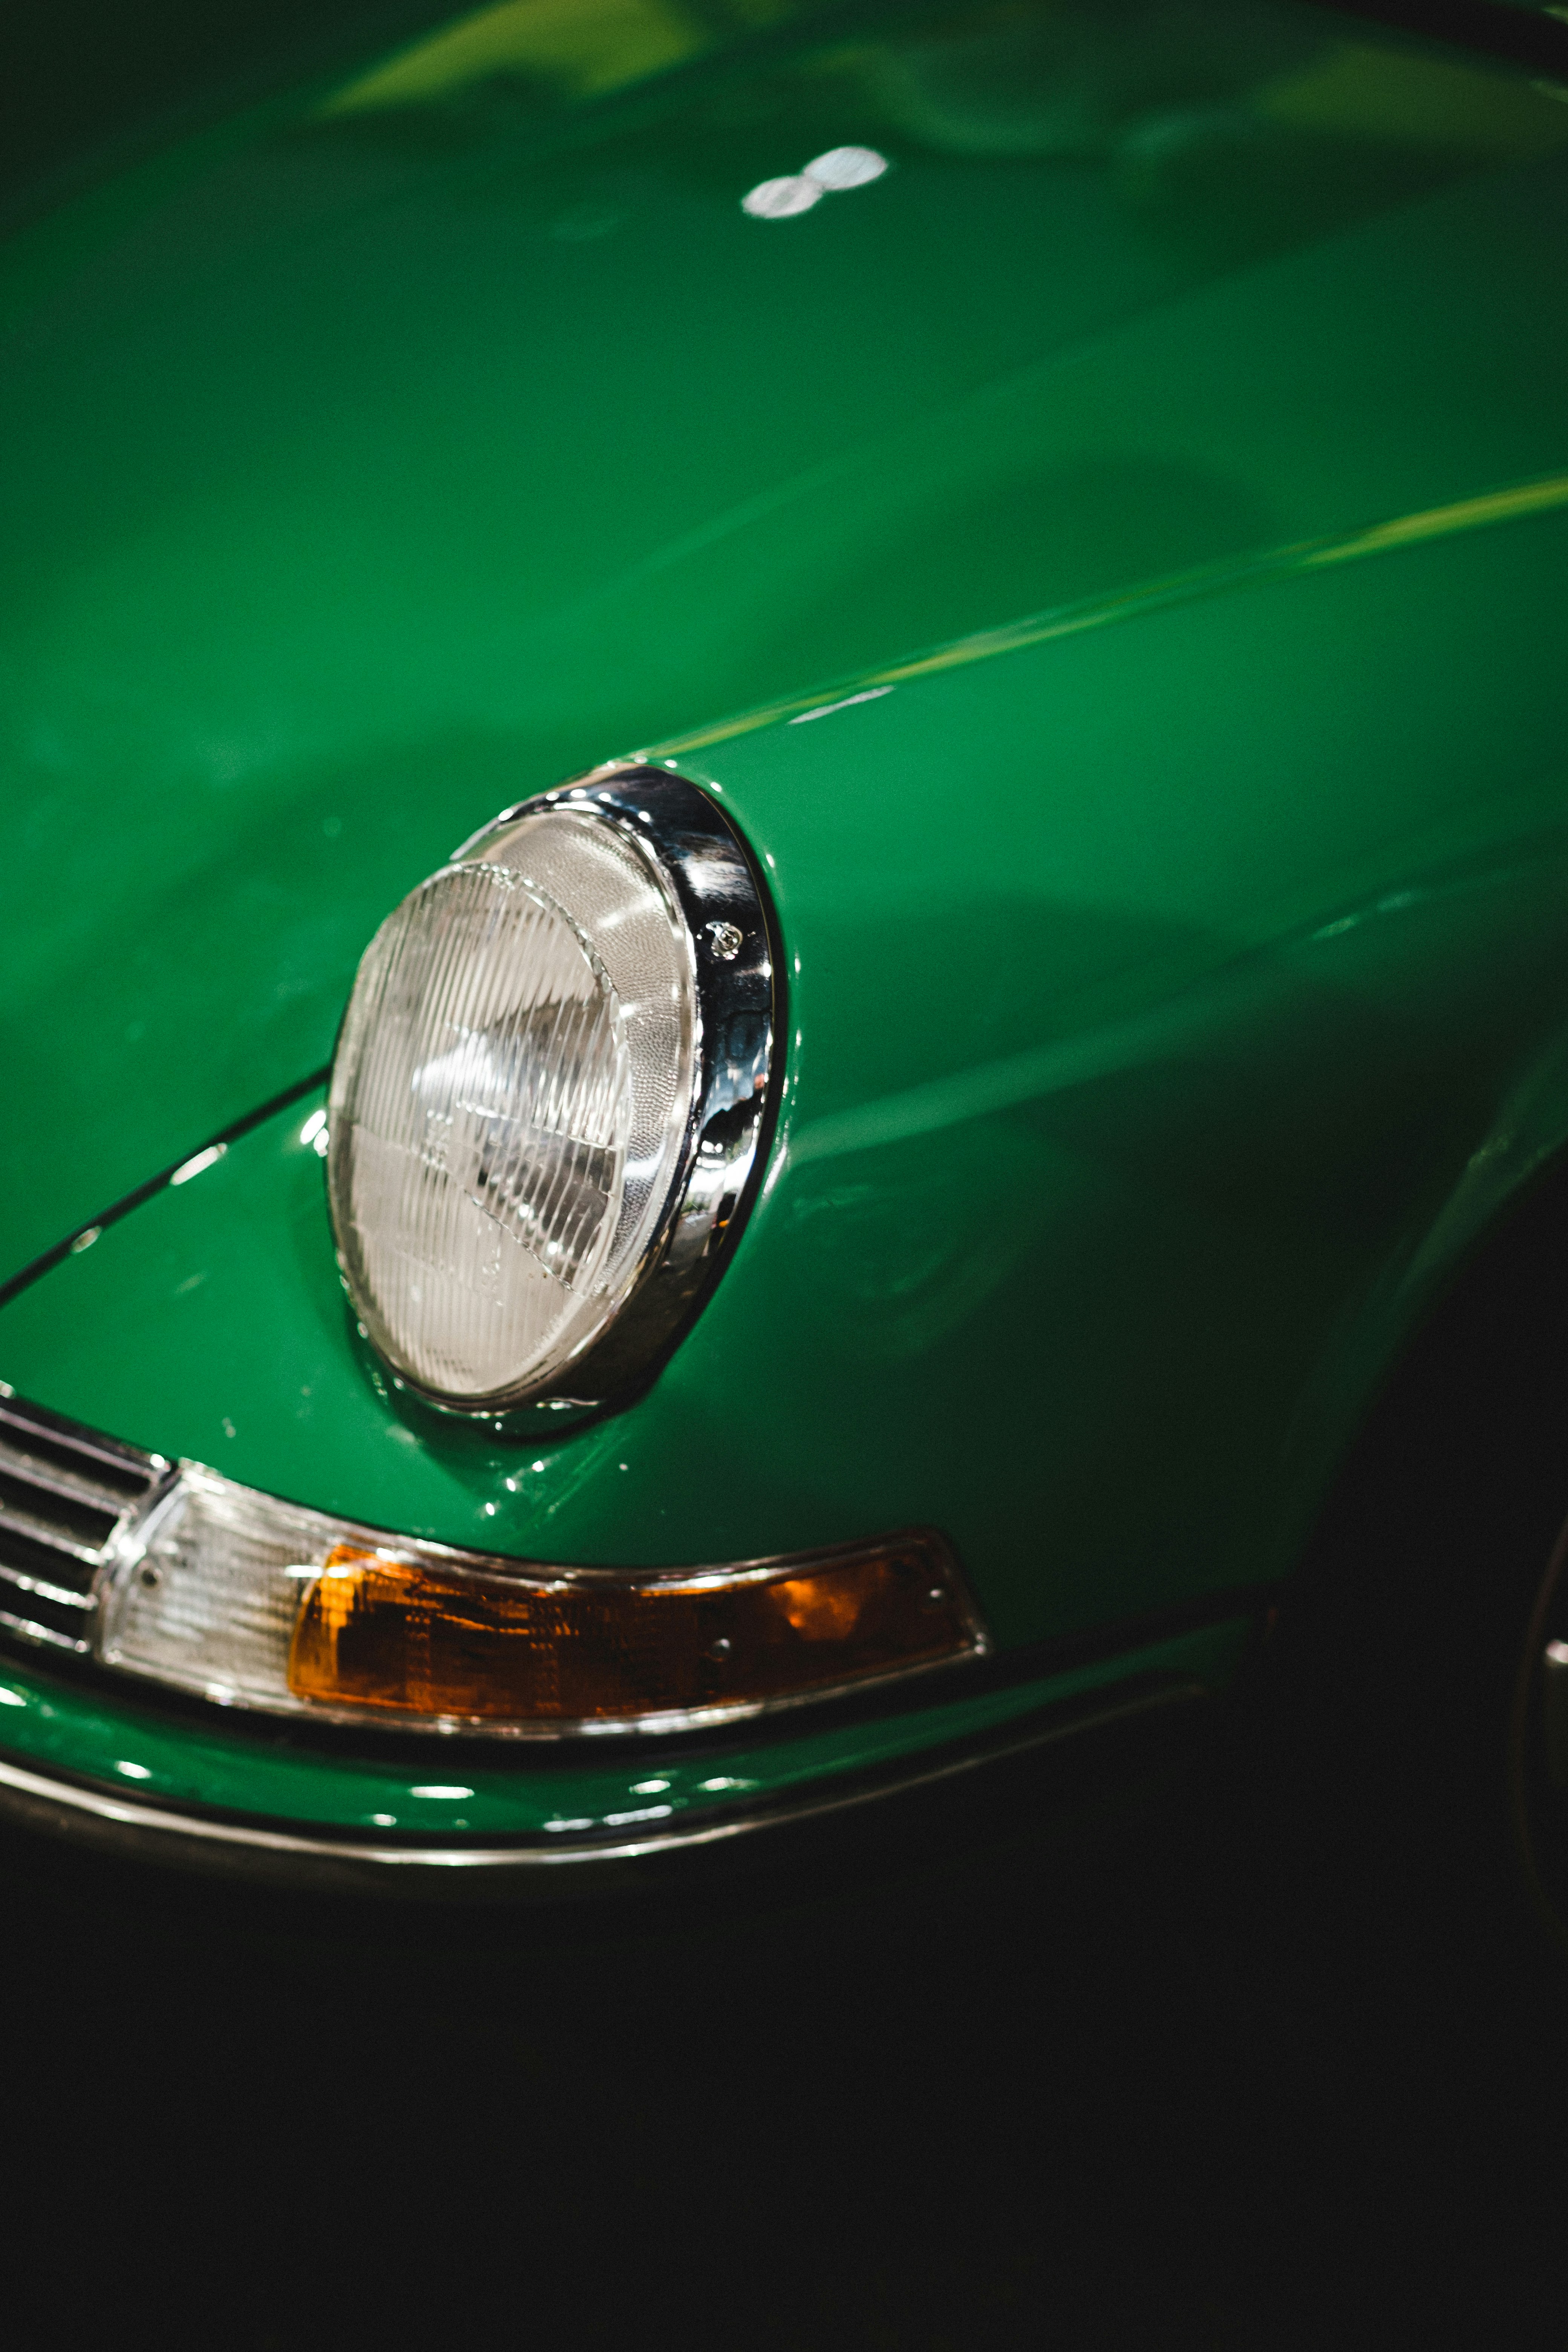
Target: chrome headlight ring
[{"x": 437, "y": 1175}]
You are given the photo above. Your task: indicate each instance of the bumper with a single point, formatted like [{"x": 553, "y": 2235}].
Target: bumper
[{"x": 874, "y": 1786}]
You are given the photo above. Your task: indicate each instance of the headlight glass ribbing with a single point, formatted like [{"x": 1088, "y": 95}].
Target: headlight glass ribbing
[{"x": 512, "y": 1102}]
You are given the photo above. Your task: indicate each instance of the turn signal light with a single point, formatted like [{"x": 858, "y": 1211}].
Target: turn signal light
[{"x": 423, "y": 1638}]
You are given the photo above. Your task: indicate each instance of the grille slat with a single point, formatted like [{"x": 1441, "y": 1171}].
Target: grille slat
[
  {"x": 65, "y": 1496},
  {"x": 33, "y": 1629},
  {"x": 88, "y": 1494},
  {"x": 42, "y": 1563},
  {"x": 39, "y": 1531},
  {"x": 16, "y": 1580},
  {"x": 28, "y": 1428}
]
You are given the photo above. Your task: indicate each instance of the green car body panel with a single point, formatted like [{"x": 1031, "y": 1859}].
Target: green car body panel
[{"x": 1137, "y": 562}]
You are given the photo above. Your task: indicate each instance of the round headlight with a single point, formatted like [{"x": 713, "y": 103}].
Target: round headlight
[{"x": 549, "y": 1094}]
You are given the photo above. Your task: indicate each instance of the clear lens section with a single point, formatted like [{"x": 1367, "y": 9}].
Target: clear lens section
[
  {"x": 509, "y": 1105},
  {"x": 258, "y": 1602},
  {"x": 211, "y": 1599}
]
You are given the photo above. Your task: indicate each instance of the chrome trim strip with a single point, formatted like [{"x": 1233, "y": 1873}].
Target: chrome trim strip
[
  {"x": 36, "y": 1423},
  {"x": 60, "y": 1593},
  {"x": 28, "y": 1470},
  {"x": 39, "y": 1531},
  {"x": 128, "y": 1823},
  {"x": 31, "y": 1630},
  {"x": 142, "y": 1478}
]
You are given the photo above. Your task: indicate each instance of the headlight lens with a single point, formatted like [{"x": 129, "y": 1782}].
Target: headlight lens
[{"x": 537, "y": 1040}]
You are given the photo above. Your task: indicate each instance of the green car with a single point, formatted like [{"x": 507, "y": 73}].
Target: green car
[{"x": 786, "y": 872}]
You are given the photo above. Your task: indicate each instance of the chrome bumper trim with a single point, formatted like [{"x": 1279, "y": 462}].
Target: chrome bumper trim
[{"x": 329, "y": 1862}]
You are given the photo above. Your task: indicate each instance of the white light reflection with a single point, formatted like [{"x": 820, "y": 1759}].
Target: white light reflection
[
  {"x": 312, "y": 1127},
  {"x": 198, "y": 1163},
  {"x": 826, "y": 710},
  {"x": 642, "y": 1813},
  {"x": 845, "y": 167},
  {"x": 134, "y": 1771},
  {"x": 780, "y": 1161},
  {"x": 779, "y": 199},
  {"x": 11, "y": 1697},
  {"x": 829, "y": 174},
  {"x": 440, "y": 1792},
  {"x": 650, "y": 1788}
]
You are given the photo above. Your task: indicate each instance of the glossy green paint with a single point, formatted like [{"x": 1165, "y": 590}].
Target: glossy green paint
[
  {"x": 1171, "y": 999},
  {"x": 460, "y": 1788},
  {"x": 1067, "y": 1273},
  {"x": 366, "y": 471}
]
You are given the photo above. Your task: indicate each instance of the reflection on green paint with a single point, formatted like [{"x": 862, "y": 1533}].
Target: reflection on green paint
[
  {"x": 568, "y": 49},
  {"x": 462, "y": 1787},
  {"x": 363, "y": 478},
  {"x": 1208, "y": 579}
]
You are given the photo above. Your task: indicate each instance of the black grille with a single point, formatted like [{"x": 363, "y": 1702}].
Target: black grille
[{"x": 66, "y": 1495}]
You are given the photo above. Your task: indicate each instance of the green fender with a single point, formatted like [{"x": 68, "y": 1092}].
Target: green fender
[{"x": 1178, "y": 974}]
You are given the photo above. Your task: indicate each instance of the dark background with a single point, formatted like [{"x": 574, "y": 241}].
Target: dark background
[
  {"x": 1181, "y": 2074},
  {"x": 1224, "y": 2060}
]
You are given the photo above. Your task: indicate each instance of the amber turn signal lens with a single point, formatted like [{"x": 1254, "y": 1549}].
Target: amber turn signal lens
[{"x": 376, "y": 1630}]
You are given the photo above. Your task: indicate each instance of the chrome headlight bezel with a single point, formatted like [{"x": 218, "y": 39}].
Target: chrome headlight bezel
[{"x": 717, "y": 894}]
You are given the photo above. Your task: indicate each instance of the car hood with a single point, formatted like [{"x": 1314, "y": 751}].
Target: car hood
[{"x": 385, "y": 457}]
